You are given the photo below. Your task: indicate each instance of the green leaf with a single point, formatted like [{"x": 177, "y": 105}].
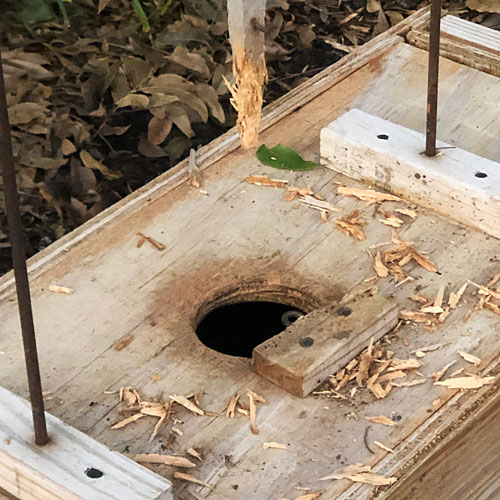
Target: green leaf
[{"x": 284, "y": 158}]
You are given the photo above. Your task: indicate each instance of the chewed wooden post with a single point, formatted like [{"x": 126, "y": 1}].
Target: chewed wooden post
[{"x": 246, "y": 33}]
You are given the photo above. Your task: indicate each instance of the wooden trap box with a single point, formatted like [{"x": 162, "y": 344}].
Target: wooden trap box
[{"x": 131, "y": 317}]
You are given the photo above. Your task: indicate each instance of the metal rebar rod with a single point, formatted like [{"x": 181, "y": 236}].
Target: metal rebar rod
[
  {"x": 433, "y": 78},
  {"x": 20, "y": 269}
]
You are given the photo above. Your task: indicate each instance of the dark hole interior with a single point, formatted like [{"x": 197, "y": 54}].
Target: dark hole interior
[
  {"x": 481, "y": 175},
  {"x": 384, "y": 137},
  {"x": 236, "y": 329},
  {"x": 93, "y": 473}
]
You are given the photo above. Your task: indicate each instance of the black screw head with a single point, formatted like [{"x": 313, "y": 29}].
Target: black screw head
[
  {"x": 93, "y": 473},
  {"x": 306, "y": 342},
  {"x": 344, "y": 311}
]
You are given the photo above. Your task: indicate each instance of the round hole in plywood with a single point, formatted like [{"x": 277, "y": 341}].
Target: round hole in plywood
[{"x": 237, "y": 319}]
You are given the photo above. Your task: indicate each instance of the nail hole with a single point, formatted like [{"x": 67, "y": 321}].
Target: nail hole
[
  {"x": 481, "y": 175},
  {"x": 306, "y": 342},
  {"x": 384, "y": 137},
  {"x": 94, "y": 473},
  {"x": 344, "y": 311}
]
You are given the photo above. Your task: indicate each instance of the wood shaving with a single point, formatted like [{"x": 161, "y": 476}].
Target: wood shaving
[
  {"x": 319, "y": 204},
  {"x": 130, "y": 396},
  {"x": 351, "y": 226},
  {"x": 368, "y": 195},
  {"x": 274, "y": 445},
  {"x": 406, "y": 211},
  {"x": 231, "y": 406},
  {"x": 437, "y": 375},
  {"x": 156, "y": 244},
  {"x": 417, "y": 317},
  {"x": 404, "y": 364},
  {"x": 177, "y": 431},
  {"x": 469, "y": 382},
  {"x": 380, "y": 268},
  {"x": 438, "y": 301},
  {"x": 257, "y": 398},
  {"x": 253, "y": 411},
  {"x": 432, "y": 310},
  {"x": 156, "y": 458},
  {"x": 371, "y": 478},
  {"x": 485, "y": 290},
  {"x": 470, "y": 358},
  {"x": 6, "y": 441},
  {"x": 383, "y": 446},
  {"x": 381, "y": 419},
  {"x": 124, "y": 342},
  {"x": 182, "y": 400},
  {"x": 410, "y": 383},
  {"x": 455, "y": 297},
  {"x": 155, "y": 377},
  {"x": 311, "y": 496},
  {"x": 346, "y": 471},
  {"x": 60, "y": 289},
  {"x": 264, "y": 180},
  {"x": 193, "y": 170},
  {"x": 127, "y": 421},
  {"x": 428, "y": 348},
  {"x": 194, "y": 453},
  {"x": 190, "y": 478}
]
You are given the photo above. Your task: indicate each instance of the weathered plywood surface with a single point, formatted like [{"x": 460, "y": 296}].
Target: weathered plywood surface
[
  {"x": 458, "y": 184},
  {"x": 245, "y": 233},
  {"x": 57, "y": 471}
]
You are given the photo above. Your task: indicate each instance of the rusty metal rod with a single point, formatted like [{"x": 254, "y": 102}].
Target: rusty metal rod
[
  {"x": 433, "y": 78},
  {"x": 20, "y": 269}
]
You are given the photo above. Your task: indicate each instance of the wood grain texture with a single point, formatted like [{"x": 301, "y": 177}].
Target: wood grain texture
[
  {"x": 58, "y": 469},
  {"x": 244, "y": 235},
  {"x": 467, "y": 43},
  {"x": 338, "y": 334},
  {"x": 455, "y": 183}
]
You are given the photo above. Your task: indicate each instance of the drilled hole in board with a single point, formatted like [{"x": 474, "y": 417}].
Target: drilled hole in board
[
  {"x": 235, "y": 322},
  {"x": 481, "y": 175}
]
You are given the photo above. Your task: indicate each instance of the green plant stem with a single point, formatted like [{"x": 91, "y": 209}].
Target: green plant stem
[
  {"x": 142, "y": 15},
  {"x": 165, "y": 7},
  {"x": 62, "y": 8}
]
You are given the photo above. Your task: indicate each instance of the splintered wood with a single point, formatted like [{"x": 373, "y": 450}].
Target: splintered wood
[
  {"x": 246, "y": 34},
  {"x": 359, "y": 473}
]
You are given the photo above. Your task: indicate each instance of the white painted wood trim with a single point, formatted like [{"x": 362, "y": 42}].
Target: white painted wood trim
[
  {"x": 57, "y": 470},
  {"x": 472, "y": 33},
  {"x": 447, "y": 183}
]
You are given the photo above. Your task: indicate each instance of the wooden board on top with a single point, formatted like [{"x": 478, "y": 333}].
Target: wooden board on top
[{"x": 243, "y": 234}]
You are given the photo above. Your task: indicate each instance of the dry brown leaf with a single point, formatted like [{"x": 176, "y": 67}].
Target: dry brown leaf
[
  {"x": 194, "y": 453},
  {"x": 60, "y": 289},
  {"x": 470, "y": 358},
  {"x": 90, "y": 162},
  {"x": 264, "y": 180},
  {"x": 126, "y": 421},
  {"x": 381, "y": 419},
  {"x": 121, "y": 344},
  {"x": 274, "y": 445},
  {"x": 383, "y": 446},
  {"x": 371, "y": 478},
  {"x": 253, "y": 411},
  {"x": 156, "y": 458},
  {"x": 67, "y": 147},
  {"x": 367, "y": 194},
  {"x": 470, "y": 382},
  {"x": 190, "y": 478}
]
